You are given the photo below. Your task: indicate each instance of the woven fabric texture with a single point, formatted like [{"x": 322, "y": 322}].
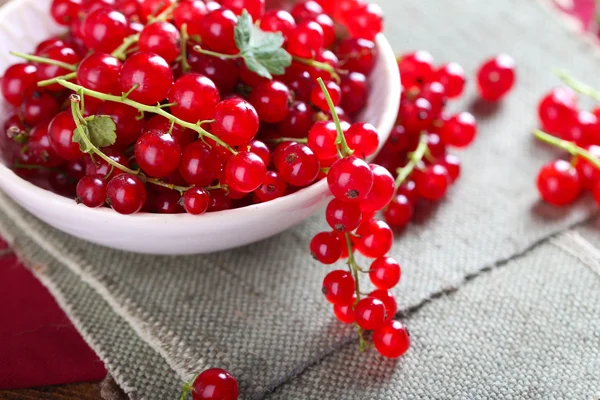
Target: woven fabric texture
[{"x": 257, "y": 310}]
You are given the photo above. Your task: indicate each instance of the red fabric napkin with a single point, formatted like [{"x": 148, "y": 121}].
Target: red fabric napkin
[{"x": 38, "y": 344}]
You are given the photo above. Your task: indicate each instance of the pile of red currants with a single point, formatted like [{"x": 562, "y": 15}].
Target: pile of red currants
[
  {"x": 577, "y": 131},
  {"x": 173, "y": 106}
]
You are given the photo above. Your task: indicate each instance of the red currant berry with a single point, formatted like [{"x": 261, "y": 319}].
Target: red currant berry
[
  {"x": 306, "y": 40},
  {"x": 278, "y": 21},
  {"x": 161, "y": 38},
  {"x": 322, "y": 140},
  {"x": 60, "y": 132},
  {"x": 357, "y": 55},
  {"x": 224, "y": 73},
  {"x": 338, "y": 287},
  {"x": 557, "y": 108},
  {"x": 245, "y": 172},
  {"x": 376, "y": 239},
  {"x": 399, "y": 212},
  {"x": 152, "y": 75},
  {"x": 130, "y": 8},
  {"x": 391, "y": 340},
  {"x": 299, "y": 120},
  {"x": 168, "y": 203},
  {"x": 19, "y": 82},
  {"x": 126, "y": 120},
  {"x": 382, "y": 191},
  {"x": 317, "y": 97},
  {"x": 49, "y": 71},
  {"x": 189, "y": 13},
  {"x": 306, "y": 10},
  {"x": 365, "y": 21},
  {"x": 195, "y": 201},
  {"x": 100, "y": 72},
  {"x": 152, "y": 8},
  {"x": 98, "y": 166},
  {"x": 559, "y": 183},
  {"x": 496, "y": 77},
  {"x": 416, "y": 69},
  {"x": 219, "y": 201},
  {"x": 345, "y": 312},
  {"x": 298, "y": 165},
  {"x": 256, "y": 8},
  {"x": 157, "y": 153},
  {"x": 126, "y": 194},
  {"x": 452, "y": 165},
  {"x": 199, "y": 165},
  {"x": 435, "y": 145},
  {"x": 326, "y": 247},
  {"x": 196, "y": 97},
  {"x": 435, "y": 93},
  {"x": 362, "y": 138},
  {"x": 416, "y": 115},
  {"x": 47, "y": 44},
  {"x": 63, "y": 11},
  {"x": 216, "y": 30},
  {"x": 354, "y": 92},
  {"x": 260, "y": 149},
  {"x": 273, "y": 187},
  {"x": 433, "y": 182},
  {"x": 460, "y": 130},
  {"x": 40, "y": 148},
  {"x": 401, "y": 140},
  {"x": 342, "y": 216},
  {"x": 103, "y": 30},
  {"x": 350, "y": 179},
  {"x": 370, "y": 313},
  {"x": 271, "y": 99},
  {"x": 385, "y": 273},
  {"x": 452, "y": 77},
  {"x": 236, "y": 121},
  {"x": 588, "y": 173},
  {"x": 388, "y": 300},
  {"x": 215, "y": 384},
  {"x": 582, "y": 128},
  {"x": 301, "y": 83},
  {"x": 38, "y": 107},
  {"x": 91, "y": 191},
  {"x": 328, "y": 27}
]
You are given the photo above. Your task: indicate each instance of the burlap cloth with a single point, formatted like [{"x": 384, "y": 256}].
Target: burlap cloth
[{"x": 501, "y": 302}]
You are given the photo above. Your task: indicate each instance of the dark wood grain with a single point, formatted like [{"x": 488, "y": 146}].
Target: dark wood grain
[{"x": 78, "y": 391}]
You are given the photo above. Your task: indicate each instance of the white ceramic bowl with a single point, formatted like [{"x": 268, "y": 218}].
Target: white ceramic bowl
[{"x": 23, "y": 23}]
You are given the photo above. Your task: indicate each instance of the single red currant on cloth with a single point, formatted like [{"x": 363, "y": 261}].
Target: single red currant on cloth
[
  {"x": 215, "y": 384},
  {"x": 392, "y": 340},
  {"x": 496, "y": 77},
  {"x": 558, "y": 183}
]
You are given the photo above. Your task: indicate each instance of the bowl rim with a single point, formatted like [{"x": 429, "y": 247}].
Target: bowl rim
[{"x": 316, "y": 190}]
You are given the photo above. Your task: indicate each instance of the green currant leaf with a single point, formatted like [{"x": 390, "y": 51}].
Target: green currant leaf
[
  {"x": 262, "y": 51},
  {"x": 101, "y": 130},
  {"x": 243, "y": 31},
  {"x": 83, "y": 145},
  {"x": 274, "y": 62}
]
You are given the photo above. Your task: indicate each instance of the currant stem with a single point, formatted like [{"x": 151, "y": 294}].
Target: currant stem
[
  {"x": 79, "y": 122},
  {"x": 577, "y": 85},
  {"x": 185, "y": 65},
  {"x": 188, "y": 387},
  {"x": 341, "y": 139},
  {"x": 121, "y": 51},
  {"x": 200, "y": 50},
  {"x": 570, "y": 147},
  {"x": 414, "y": 159},
  {"x": 354, "y": 268},
  {"x": 44, "y": 60},
  {"x": 49, "y": 82},
  {"x": 145, "y": 108},
  {"x": 287, "y": 139},
  {"x": 323, "y": 66}
]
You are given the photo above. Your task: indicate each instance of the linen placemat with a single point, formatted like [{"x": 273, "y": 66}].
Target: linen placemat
[{"x": 258, "y": 312}]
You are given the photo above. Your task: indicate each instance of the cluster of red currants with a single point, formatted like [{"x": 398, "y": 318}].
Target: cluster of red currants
[
  {"x": 184, "y": 105},
  {"x": 416, "y": 152},
  {"x": 576, "y": 131}
]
